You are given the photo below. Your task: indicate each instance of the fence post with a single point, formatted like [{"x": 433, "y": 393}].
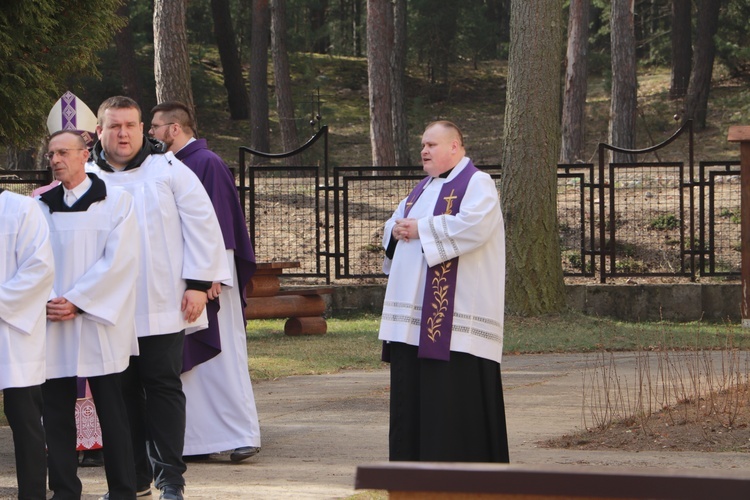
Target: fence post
[{"x": 741, "y": 134}]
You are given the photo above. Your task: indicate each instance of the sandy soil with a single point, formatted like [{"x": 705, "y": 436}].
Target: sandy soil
[{"x": 317, "y": 429}]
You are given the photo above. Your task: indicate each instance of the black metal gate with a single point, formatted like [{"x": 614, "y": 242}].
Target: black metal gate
[
  {"x": 661, "y": 218},
  {"x": 616, "y": 219}
]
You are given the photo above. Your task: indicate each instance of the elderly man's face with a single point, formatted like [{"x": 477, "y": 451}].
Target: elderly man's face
[
  {"x": 67, "y": 159},
  {"x": 121, "y": 135},
  {"x": 440, "y": 150}
]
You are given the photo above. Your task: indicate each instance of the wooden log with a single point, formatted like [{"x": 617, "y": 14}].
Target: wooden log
[
  {"x": 266, "y": 267},
  {"x": 286, "y": 306},
  {"x": 262, "y": 285},
  {"x": 318, "y": 290},
  {"x": 314, "y": 325}
]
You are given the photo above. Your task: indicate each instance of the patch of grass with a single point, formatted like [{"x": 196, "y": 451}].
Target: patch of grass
[
  {"x": 373, "y": 248},
  {"x": 574, "y": 259},
  {"x": 352, "y": 343},
  {"x": 664, "y": 222},
  {"x": 575, "y": 332},
  {"x": 626, "y": 249},
  {"x": 630, "y": 265}
]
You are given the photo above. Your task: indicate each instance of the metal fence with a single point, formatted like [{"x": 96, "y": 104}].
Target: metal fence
[
  {"x": 617, "y": 219},
  {"x": 24, "y": 181},
  {"x": 622, "y": 219},
  {"x": 719, "y": 242}
]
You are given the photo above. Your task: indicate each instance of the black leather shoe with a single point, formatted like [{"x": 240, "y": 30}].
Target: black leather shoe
[
  {"x": 92, "y": 458},
  {"x": 142, "y": 492},
  {"x": 240, "y": 454},
  {"x": 171, "y": 492}
]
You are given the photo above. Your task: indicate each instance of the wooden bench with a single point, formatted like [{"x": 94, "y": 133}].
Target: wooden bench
[
  {"x": 303, "y": 306},
  {"x": 444, "y": 481}
]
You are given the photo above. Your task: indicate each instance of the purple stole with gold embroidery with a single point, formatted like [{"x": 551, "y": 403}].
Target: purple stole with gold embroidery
[{"x": 440, "y": 283}]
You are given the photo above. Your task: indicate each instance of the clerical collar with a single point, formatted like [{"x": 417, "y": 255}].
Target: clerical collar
[
  {"x": 189, "y": 142},
  {"x": 80, "y": 189},
  {"x": 457, "y": 167},
  {"x": 54, "y": 197}
]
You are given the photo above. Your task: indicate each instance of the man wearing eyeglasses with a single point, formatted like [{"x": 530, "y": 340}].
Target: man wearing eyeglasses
[
  {"x": 221, "y": 411},
  {"x": 90, "y": 319},
  {"x": 181, "y": 256}
]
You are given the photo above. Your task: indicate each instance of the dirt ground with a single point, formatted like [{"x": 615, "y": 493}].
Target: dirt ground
[
  {"x": 316, "y": 430},
  {"x": 685, "y": 426}
]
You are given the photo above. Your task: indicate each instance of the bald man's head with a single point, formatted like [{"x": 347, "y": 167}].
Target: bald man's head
[{"x": 442, "y": 147}]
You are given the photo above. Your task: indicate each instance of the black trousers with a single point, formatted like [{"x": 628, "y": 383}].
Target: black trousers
[
  {"x": 446, "y": 411},
  {"x": 23, "y": 408},
  {"x": 59, "y": 421},
  {"x": 156, "y": 407}
]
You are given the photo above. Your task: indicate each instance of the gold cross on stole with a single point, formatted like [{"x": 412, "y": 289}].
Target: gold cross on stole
[{"x": 449, "y": 200}]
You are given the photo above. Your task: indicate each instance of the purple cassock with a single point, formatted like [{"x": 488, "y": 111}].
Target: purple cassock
[{"x": 218, "y": 180}]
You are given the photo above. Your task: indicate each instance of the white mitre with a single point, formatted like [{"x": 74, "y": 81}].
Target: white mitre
[{"x": 70, "y": 113}]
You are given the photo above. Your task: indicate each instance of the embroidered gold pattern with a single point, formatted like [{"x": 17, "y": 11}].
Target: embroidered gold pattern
[
  {"x": 412, "y": 199},
  {"x": 449, "y": 202},
  {"x": 440, "y": 301}
]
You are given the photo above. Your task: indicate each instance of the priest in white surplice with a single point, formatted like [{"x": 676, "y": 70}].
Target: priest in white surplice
[
  {"x": 221, "y": 411},
  {"x": 26, "y": 274},
  {"x": 182, "y": 254},
  {"x": 91, "y": 327},
  {"x": 442, "y": 322}
]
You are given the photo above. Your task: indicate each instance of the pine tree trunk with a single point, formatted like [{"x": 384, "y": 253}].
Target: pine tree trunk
[
  {"x": 282, "y": 79},
  {"x": 682, "y": 48},
  {"x": 624, "y": 99},
  {"x": 356, "y": 27},
  {"x": 318, "y": 19},
  {"x": 379, "y": 48},
  {"x": 131, "y": 87},
  {"x": 576, "y": 81},
  {"x": 398, "y": 82},
  {"x": 696, "y": 100},
  {"x": 531, "y": 145},
  {"x": 231, "y": 67},
  {"x": 21, "y": 158},
  {"x": 260, "y": 33},
  {"x": 171, "y": 57}
]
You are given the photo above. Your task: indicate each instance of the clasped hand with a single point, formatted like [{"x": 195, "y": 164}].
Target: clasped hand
[
  {"x": 60, "y": 309},
  {"x": 406, "y": 229}
]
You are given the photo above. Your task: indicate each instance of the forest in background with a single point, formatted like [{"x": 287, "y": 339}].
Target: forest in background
[
  {"x": 531, "y": 83},
  {"x": 456, "y": 69}
]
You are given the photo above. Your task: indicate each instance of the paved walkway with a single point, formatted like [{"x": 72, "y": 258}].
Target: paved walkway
[{"x": 317, "y": 429}]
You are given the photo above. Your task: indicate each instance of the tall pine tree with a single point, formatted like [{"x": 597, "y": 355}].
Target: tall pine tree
[{"x": 43, "y": 43}]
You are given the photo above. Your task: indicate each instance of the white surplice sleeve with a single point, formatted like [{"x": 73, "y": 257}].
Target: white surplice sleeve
[
  {"x": 24, "y": 293},
  {"x": 103, "y": 290},
  {"x": 388, "y": 232},
  {"x": 444, "y": 237},
  {"x": 204, "y": 253}
]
